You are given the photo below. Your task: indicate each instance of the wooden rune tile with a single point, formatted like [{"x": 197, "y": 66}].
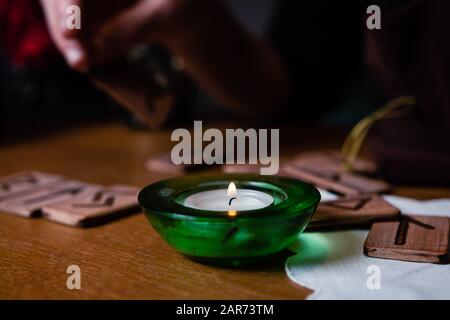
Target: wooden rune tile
[
  {"x": 24, "y": 182},
  {"x": 353, "y": 211},
  {"x": 318, "y": 180},
  {"x": 341, "y": 183},
  {"x": 30, "y": 203},
  {"x": 98, "y": 206},
  {"x": 349, "y": 203},
  {"x": 323, "y": 169},
  {"x": 411, "y": 238},
  {"x": 327, "y": 165},
  {"x": 363, "y": 184}
]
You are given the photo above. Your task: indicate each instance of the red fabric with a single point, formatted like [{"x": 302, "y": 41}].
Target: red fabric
[{"x": 24, "y": 34}]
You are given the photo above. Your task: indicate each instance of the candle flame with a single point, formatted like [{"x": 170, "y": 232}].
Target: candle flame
[
  {"x": 231, "y": 193},
  {"x": 232, "y": 213},
  {"x": 231, "y": 190}
]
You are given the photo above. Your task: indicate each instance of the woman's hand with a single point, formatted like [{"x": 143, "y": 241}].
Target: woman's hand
[{"x": 234, "y": 66}]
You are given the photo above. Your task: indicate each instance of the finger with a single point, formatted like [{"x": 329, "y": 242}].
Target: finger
[
  {"x": 72, "y": 44},
  {"x": 73, "y": 47},
  {"x": 68, "y": 41},
  {"x": 71, "y": 11}
]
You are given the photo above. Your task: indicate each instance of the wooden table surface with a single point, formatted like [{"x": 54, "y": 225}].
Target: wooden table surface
[{"x": 124, "y": 259}]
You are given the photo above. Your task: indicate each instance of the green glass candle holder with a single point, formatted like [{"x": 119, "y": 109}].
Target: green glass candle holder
[{"x": 229, "y": 237}]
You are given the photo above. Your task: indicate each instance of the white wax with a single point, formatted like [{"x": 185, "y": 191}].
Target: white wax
[{"x": 218, "y": 200}]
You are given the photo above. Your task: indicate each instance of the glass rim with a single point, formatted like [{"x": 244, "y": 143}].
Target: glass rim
[{"x": 291, "y": 196}]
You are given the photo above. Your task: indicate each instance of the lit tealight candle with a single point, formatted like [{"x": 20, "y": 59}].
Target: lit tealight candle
[{"x": 230, "y": 199}]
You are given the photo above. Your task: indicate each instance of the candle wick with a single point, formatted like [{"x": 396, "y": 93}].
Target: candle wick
[{"x": 231, "y": 200}]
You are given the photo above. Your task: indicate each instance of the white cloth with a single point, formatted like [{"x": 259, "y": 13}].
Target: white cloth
[
  {"x": 334, "y": 266},
  {"x": 326, "y": 195},
  {"x": 432, "y": 208}
]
